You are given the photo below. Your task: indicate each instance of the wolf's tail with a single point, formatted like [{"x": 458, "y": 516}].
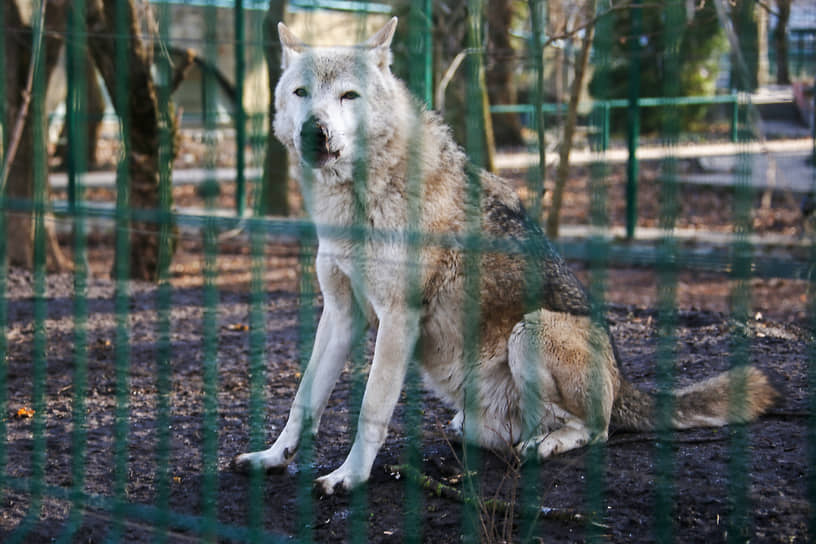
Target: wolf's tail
[{"x": 736, "y": 396}]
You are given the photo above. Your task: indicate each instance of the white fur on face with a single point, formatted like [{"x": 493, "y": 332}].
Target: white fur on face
[{"x": 338, "y": 91}]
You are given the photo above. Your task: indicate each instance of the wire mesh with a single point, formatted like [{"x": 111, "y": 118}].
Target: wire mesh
[{"x": 144, "y": 398}]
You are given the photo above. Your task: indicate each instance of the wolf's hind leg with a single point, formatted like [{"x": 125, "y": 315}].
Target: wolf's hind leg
[{"x": 565, "y": 371}]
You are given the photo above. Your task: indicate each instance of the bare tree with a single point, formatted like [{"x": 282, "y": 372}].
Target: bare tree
[
  {"x": 745, "y": 57},
  {"x": 554, "y": 217},
  {"x": 274, "y": 195},
  {"x": 500, "y": 70},
  {"x": 95, "y": 108},
  {"x": 452, "y": 54},
  {"x": 136, "y": 103},
  {"x": 780, "y": 39},
  {"x": 27, "y": 141}
]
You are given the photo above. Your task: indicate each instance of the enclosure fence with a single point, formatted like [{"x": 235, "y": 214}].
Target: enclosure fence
[{"x": 101, "y": 435}]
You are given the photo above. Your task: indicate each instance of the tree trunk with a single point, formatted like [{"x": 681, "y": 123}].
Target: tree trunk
[
  {"x": 19, "y": 190},
  {"x": 745, "y": 60},
  {"x": 95, "y": 110},
  {"x": 479, "y": 141},
  {"x": 138, "y": 106},
  {"x": 780, "y": 38},
  {"x": 554, "y": 217},
  {"x": 763, "y": 68},
  {"x": 450, "y": 38},
  {"x": 500, "y": 68},
  {"x": 275, "y": 193}
]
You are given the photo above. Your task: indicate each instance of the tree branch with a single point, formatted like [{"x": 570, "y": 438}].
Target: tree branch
[
  {"x": 187, "y": 57},
  {"x": 562, "y": 173}
]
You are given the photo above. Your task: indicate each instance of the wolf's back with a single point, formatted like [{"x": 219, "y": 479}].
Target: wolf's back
[{"x": 736, "y": 396}]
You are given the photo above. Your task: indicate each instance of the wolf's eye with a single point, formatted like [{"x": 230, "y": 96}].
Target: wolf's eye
[
  {"x": 301, "y": 92},
  {"x": 350, "y": 95}
]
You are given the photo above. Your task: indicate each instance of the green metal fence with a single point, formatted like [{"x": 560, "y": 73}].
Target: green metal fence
[{"x": 123, "y": 401}]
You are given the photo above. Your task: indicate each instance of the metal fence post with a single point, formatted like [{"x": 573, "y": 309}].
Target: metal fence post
[
  {"x": 633, "y": 119},
  {"x": 3, "y": 265},
  {"x": 427, "y": 39},
  {"x": 474, "y": 125},
  {"x": 209, "y": 439},
  {"x": 597, "y": 262},
  {"x": 240, "y": 113},
  {"x": 667, "y": 281},
  {"x": 811, "y": 371},
  {"x": 421, "y": 83},
  {"x": 76, "y": 119},
  {"x": 801, "y": 51},
  {"x": 537, "y": 175},
  {"x": 735, "y": 117},
  {"x": 164, "y": 289}
]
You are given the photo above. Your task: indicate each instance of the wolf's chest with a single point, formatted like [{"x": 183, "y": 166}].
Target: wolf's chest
[{"x": 379, "y": 269}]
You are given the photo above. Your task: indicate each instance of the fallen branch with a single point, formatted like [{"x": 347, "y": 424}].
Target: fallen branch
[{"x": 500, "y": 506}]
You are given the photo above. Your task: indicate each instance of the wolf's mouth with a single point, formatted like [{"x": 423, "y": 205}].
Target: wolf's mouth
[{"x": 314, "y": 144}]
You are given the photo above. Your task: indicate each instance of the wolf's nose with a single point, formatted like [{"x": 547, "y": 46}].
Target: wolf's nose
[
  {"x": 313, "y": 141},
  {"x": 311, "y": 123},
  {"x": 312, "y": 132}
]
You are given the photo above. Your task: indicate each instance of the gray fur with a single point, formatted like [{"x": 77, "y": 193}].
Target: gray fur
[{"x": 541, "y": 376}]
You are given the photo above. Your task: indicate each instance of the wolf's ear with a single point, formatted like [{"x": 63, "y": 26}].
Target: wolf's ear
[
  {"x": 291, "y": 46},
  {"x": 380, "y": 43}
]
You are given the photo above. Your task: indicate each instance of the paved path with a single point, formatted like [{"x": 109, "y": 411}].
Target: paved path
[
  {"x": 781, "y": 164},
  {"x": 777, "y": 163},
  {"x": 192, "y": 176}
]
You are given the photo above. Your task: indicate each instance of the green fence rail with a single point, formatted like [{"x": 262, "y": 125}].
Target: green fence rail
[
  {"x": 123, "y": 401},
  {"x": 801, "y": 52},
  {"x": 734, "y": 99}
]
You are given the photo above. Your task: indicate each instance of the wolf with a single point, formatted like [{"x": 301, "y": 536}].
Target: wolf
[{"x": 503, "y": 332}]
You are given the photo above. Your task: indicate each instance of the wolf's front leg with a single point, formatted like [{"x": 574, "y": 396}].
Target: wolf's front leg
[
  {"x": 341, "y": 324},
  {"x": 396, "y": 338}
]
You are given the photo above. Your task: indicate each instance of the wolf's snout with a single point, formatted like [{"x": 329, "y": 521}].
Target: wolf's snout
[{"x": 314, "y": 143}]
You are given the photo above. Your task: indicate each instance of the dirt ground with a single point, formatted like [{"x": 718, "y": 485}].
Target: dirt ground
[{"x": 769, "y": 457}]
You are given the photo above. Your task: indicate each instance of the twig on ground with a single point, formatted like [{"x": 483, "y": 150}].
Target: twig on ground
[{"x": 497, "y": 505}]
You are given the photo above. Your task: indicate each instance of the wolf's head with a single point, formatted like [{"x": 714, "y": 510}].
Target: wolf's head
[{"x": 332, "y": 103}]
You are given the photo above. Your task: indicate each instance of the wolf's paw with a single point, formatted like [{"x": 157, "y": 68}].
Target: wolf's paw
[
  {"x": 454, "y": 429},
  {"x": 551, "y": 446},
  {"x": 559, "y": 441},
  {"x": 338, "y": 482},
  {"x": 271, "y": 460},
  {"x": 543, "y": 447},
  {"x": 527, "y": 449}
]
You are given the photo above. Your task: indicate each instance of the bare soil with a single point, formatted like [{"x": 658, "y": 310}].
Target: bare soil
[{"x": 706, "y": 466}]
